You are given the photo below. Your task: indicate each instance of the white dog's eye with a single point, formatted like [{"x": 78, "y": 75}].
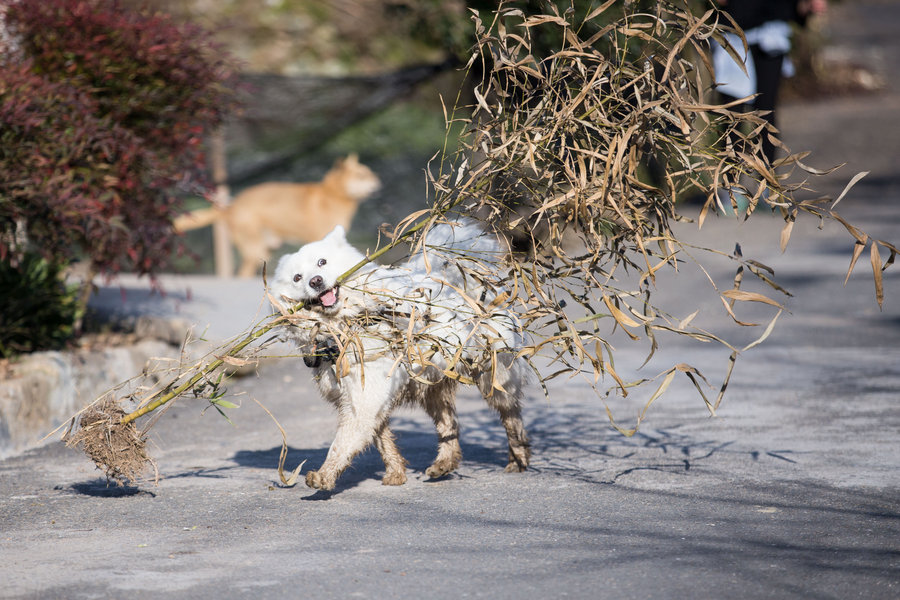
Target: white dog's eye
[
  {"x": 297, "y": 277},
  {"x": 322, "y": 262}
]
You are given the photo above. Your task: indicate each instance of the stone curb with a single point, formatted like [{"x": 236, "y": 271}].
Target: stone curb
[{"x": 44, "y": 389}]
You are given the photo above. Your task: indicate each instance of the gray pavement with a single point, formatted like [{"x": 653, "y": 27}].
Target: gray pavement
[{"x": 791, "y": 491}]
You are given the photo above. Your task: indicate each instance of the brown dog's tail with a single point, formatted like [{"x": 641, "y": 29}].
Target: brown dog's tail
[{"x": 196, "y": 219}]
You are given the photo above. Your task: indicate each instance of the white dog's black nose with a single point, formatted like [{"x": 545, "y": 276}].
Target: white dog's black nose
[{"x": 316, "y": 283}]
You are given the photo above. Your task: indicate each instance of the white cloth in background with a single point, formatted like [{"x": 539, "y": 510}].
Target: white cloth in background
[
  {"x": 731, "y": 79},
  {"x": 773, "y": 37}
]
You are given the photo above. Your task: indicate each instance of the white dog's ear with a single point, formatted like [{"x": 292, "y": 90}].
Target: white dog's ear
[
  {"x": 281, "y": 264},
  {"x": 338, "y": 234}
]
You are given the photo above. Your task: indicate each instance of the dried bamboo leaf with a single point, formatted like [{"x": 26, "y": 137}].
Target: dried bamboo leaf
[
  {"x": 786, "y": 233},
  {"x": 876, "y": 272},
  {"x": 768, "y": 331},
  {"x": 620, "y": 317},
  {"x": 238, "y": 362},
  {"x": 749, "y": 297},
  {"x": 679, "y": 45},
  {"x": 732, "y": 315},
  {"x": 666, "y": 382},
  {"x": 731, "y": 361},
  {"x": 687, "y": 320},
  {"x": 858, "y": 247},
  {"x": 541, "y": 19},
  {"x": 599, "y": 10},
  {"x": 849, "y": 185}
]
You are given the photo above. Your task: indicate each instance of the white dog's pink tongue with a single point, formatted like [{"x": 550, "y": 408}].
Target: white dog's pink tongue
[{"x": 328, "y": 298}]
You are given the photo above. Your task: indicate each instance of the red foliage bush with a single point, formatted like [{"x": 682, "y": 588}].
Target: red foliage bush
[{"x": 103, "y": 110}]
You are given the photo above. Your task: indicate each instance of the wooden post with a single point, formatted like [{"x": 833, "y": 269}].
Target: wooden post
[{"x": 222, "y": 254}]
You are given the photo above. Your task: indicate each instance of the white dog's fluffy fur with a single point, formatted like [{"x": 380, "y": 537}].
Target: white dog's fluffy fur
[{"x": 395, "y": 317}]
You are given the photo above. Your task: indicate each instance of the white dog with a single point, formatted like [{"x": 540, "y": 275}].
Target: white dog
[{"x": 405, "y": 335}]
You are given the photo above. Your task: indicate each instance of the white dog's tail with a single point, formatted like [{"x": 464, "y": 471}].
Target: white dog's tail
[{"x": 447, "y": 242}]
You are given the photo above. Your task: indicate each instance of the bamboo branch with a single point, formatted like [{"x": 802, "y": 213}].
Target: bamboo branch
[{"x": 233, "y": 351}]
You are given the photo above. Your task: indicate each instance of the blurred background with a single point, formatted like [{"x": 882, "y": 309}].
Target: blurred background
[
  {"x": 325, "y": 79},
  {"x": 321, "y": 80},
  {"x": 316, "y": 81}
]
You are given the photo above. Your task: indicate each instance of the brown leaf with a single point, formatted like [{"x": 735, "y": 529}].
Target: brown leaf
[
  {"x": 876, "y": 271},
  {"x": 618, "y": 315},
  {"x": 743, "y": 296},
  {"x": 786, "y": 233},
  {"x": 236, "y": 362},
  {"x": 849, "y": 185},
  {"x": 858, "y": 247}
]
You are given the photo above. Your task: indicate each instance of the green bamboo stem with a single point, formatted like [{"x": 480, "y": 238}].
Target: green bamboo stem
[{"x": 168, "y": 397}]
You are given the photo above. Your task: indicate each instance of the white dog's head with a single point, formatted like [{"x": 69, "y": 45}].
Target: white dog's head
[{"x": 310, "y": 274}]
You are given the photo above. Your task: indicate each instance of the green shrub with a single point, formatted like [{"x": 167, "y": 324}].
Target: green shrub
[{"x": 39, "y": 309}]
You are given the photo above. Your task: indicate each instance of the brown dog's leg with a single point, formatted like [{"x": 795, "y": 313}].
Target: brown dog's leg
[{"x": 252, "y": 249}]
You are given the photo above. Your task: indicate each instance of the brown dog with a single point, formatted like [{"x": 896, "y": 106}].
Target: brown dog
[{"x": 263, "y": 217}]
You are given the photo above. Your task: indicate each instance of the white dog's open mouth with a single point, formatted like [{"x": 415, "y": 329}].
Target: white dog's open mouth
[{"x": 329, "y": 297}]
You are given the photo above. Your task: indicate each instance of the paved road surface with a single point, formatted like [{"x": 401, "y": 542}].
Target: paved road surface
[{"x": 793, "y": 491}]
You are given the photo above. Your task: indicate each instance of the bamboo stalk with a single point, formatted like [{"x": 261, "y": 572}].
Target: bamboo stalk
[{"x": 233, "y": 351}]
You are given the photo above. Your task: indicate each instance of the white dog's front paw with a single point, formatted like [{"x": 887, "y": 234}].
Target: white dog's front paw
[
  {"x": 394, "y": 478},
  {"x": 316, "y": 480}
]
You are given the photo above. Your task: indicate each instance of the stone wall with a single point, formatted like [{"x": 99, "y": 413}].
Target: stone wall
[{"x": 43, "y": 390}]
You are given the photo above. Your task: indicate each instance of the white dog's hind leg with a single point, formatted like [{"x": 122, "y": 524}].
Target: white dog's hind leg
[
  {"x": 394, "y": 463},
  {"x": 512, "y": 376},
  {"x": 440, "y": 404}
]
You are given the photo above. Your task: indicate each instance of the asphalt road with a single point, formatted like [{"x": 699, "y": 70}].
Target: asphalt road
[{"x": 791, "y": 491}]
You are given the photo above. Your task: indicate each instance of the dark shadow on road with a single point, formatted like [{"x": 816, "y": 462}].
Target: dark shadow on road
[
  {"x": 217, "y": 473},
  {"x": 418, "y": 448},
  {"x": 727, "y": 532},
  {"x": 121, "y": 301},
  {"x": 582, "y": 445},
  {"x": 101, "y": 488}
]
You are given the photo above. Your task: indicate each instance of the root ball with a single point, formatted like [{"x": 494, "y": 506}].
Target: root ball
[{"x": 118, "y": 450}]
